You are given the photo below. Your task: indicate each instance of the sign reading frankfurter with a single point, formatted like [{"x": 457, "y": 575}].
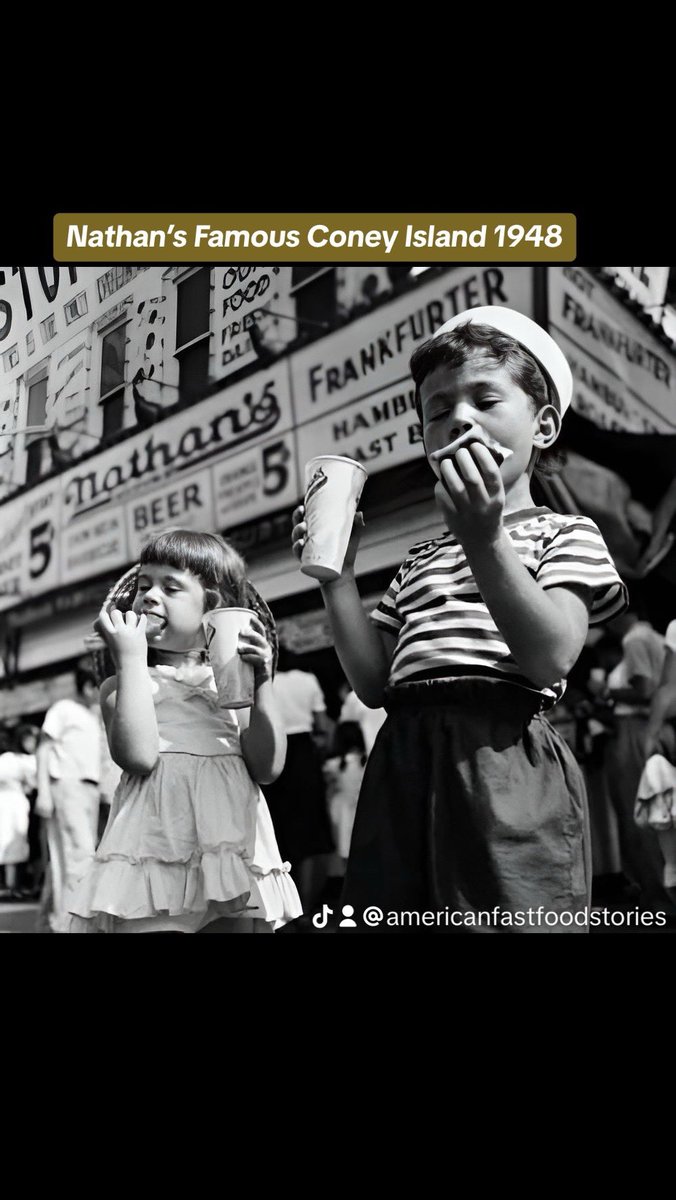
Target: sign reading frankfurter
[
  {"x": 352, "y": 390},
  {"x": 624, "y": 376}
]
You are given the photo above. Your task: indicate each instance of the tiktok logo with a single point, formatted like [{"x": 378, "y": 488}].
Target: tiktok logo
[{"x": 321, "y": 920}]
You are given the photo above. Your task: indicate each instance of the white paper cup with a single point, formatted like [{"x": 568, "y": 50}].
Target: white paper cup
[
  {"x": 333, "y": 486},
  {"x": 234, "y": 677}
]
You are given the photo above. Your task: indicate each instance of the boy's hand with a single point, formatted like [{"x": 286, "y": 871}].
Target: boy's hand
[
  {"x": 253, "y": 647},
  {"x": 299, "y": 534},
  {"x": 124, "y": 634},
  {"x": 471, "y": 495}
]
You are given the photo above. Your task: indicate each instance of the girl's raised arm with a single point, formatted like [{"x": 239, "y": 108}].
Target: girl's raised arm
[{"x": 127, "y": 698}]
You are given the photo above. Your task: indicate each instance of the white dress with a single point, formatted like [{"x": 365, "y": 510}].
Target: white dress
[
  {"x": 17, "y": 773},
  {"x": 193, "y": 840}
]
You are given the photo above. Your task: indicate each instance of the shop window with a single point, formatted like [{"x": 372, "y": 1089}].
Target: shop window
[
  {"x": 112, "y": 379},
  {"x": 193, "y": 303},
  {"x": 315, "y": 295},
  {"x": 10, "y": 357},
  {"x": 114, "y": 279},
  {"x": 48, "y": 328},
  {"x": 34, "y": 460},
  {"x": 113, "y": 414},
  {"x": 37, "y": 402},
  {"x": 193, "y": 371},
  {"x": 75, "y": 308}
]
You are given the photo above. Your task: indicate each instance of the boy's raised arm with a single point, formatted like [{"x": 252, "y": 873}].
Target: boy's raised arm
[{"x": 365, "y": 654}]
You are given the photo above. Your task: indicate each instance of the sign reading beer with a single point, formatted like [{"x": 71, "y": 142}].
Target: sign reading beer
[{"x": 188, "y": 503}]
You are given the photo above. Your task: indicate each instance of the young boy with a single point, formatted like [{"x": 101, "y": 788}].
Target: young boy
[{"x": 472, "y": 806}]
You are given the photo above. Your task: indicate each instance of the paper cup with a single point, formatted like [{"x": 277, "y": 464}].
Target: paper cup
[
  {"x": 333, "y": 486},
  {"x": 234, "y": 677}
]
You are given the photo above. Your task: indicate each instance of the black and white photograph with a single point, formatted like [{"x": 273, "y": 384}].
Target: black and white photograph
[{"x": 338, "y": 600}]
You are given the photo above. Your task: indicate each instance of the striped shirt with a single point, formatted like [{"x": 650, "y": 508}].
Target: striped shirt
[{"x": 444, "y": 629}]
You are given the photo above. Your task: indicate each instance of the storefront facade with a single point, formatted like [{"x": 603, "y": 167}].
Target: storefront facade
[{"x": 151, "y": 397}]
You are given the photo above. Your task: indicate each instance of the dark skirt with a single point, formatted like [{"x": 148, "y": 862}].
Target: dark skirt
[
  {"x": 297, "y": 803},
  {"x": 471, "y": 802}
]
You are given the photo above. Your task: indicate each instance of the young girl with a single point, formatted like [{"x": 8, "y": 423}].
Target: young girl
[
  {"x": 189, "y": 844},
  {"x": 473, "y": 807}
]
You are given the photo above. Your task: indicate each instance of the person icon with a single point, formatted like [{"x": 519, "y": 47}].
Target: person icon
[{"x": 347, "y": 921}]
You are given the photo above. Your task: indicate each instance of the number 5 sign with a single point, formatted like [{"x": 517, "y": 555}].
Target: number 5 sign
[{"x": 41, "y": 522}]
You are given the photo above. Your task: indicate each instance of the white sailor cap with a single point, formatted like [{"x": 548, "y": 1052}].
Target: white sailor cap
[{"x": 531, "y": 337}]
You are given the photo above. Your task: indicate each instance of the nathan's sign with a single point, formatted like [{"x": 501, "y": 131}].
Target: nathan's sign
[{"x": 223, "y": 424}]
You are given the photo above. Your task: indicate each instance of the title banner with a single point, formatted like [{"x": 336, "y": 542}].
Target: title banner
[{"x": 314, "y": 237}]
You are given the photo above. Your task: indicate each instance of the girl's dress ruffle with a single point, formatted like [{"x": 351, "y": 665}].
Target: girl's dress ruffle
[
  {"x": 215, "y": 883},
  {"x": 192, "y": 841}
]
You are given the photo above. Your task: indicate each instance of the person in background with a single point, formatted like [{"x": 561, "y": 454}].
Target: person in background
[
  {"x": 631, "y": 686},
  {"x": 110, "y": 776},
  {"x": 17, "y": 778},
  {"x": 343, "y": 774},
  {"x": 26, "y": 737},
  {"x": 297, "y": 799},
  {"x": 68, "y": 769},
  {"x": 368, "y": 719},
  {"x": 660, "y": 739}
]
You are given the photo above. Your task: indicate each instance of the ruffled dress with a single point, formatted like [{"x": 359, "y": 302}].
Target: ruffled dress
[{"x": 193, "y": 840}]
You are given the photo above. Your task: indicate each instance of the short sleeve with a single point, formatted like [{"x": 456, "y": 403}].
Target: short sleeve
[
  {"x": 670, "y": 636},
  {"x": 640, "y": 657},
  {"x": 53, "y": 722},
  {"x": 317, "y": 701},
  {"x": 387, "y": 616},
  {"x": 578, "y": 557}
]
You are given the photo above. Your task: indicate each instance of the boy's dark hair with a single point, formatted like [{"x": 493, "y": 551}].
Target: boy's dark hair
[{"x": 455, "y": 348}]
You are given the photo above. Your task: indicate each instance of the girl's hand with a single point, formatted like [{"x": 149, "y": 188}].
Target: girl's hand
[
  {"x": 124, "y": 635},
  {"x": 299, "y": 535},
  {"x": 254, "y": 647},
  {"x": 471, "y": 495}
]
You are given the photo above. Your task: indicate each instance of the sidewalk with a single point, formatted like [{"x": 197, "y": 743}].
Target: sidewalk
[{"x": 18, "y": 918}]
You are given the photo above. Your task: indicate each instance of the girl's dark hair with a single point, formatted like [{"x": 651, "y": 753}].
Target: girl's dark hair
[
  {"x": 349, "y": 737},
  {"x": 217, "y": 565},
  {"x": 455, "y": 348}
]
